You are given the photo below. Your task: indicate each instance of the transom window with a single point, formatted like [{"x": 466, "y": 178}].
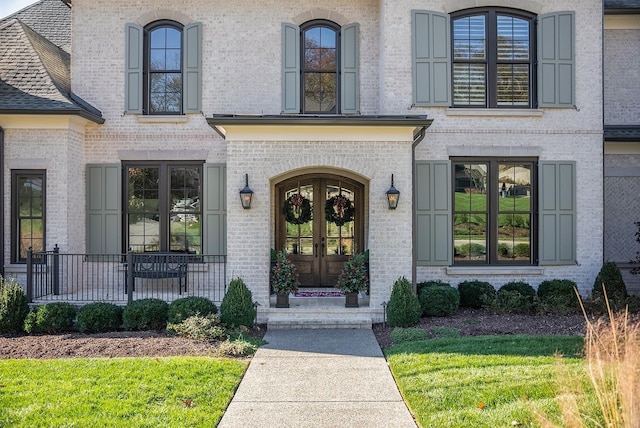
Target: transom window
[
  {"x": 493, "y": 211},
  {"x": 493, "y": 58},
  {"x": 320, "y": 79},
  {"x": 163, "y": 68},
  {"x": 163, "y": 210},
  {"x": 28, "y": 212}
]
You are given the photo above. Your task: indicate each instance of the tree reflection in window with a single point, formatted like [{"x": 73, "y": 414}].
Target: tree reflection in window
[{"x": 320, "y": 67}]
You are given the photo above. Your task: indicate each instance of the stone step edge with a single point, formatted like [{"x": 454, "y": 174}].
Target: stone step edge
[{"x": 285, "y": 323}]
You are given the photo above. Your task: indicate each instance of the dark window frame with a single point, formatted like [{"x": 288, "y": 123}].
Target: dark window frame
[
  {"x": 338, "y": 30},
  {"x": 164, "y": 208},
  {"x": 16, "y": 174},
  {"x": 146, "y": 86},
  {"x": 491, "y": 62},
  {"x": 492, "y": 209}
]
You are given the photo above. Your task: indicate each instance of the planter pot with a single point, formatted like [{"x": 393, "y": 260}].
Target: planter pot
[
  {"x": 351, "y": 300},
  {"x": 282, "y": 300}
]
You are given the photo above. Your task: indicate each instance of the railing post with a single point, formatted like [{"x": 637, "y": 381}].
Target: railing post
[
  {"x": 56, "y": 270},
  {"x": 129, "y": 279},
  {"x": 30, "y": 275}
]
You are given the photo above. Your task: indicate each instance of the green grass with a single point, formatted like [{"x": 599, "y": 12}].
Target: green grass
[
  {"x": 478, "y": 202},
  {"x": 489, "y": 381},
  {"x": 120, "y": 392}
]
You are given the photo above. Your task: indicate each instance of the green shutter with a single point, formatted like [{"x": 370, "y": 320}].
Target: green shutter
[
  {"x": 350, "y": 79},
  {"x": 557, "y": 213},
  {"x": 556, "y": 60},
  {"x": 431, "y": 58},
  {"x": 104, "y": 209},
  {"x": 433, "y": 213},
  {"x": 215, "y": 209},
  {"x": 290, "y": 68},
  {"x": 133, "y": 67},
  {"x": 192, "y": 68}
]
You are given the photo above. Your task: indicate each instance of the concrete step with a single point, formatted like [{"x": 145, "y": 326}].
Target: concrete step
[{"x": 279, "y": 323}]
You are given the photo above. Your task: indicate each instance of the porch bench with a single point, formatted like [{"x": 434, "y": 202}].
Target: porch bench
[{"x": 158, "y": 265}]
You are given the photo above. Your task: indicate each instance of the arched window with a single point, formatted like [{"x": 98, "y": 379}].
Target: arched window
[
  {"x": 321, "y": 56},
  {"x": 163, "y": 68}
]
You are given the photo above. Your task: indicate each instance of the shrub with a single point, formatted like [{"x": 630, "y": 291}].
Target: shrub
[
  {"x": 411, "y": 334},
  {"x": 284, "y": 274},
  {"x": 633, "y": 304},
  {"x": 438, "y": 300},
  {"x": 558, "y": 296},
  {"x": 199, "y": 327},
  {"x": 99, "y": 317},
  {"x": 471, "y": 250},
  {"x": 521, "y": 250},
  {"x": 145, "y": 314},
  {"x": 181, "y": 309},
  {"x": 13, "y": 307},
  {"x": 237, "y": 307},
  {"x": 404, "y": 308},
  {"x": 611, "y": 277},
  {"x": 515, "y": 297},
  {"x": 431, "y": 283},
  {"x": 50, "y": 318},
  {"x": 353, "y": 277},
  {"x": 476, "y": 294}
]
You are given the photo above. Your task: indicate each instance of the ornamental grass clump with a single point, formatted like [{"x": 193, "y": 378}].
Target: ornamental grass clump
[
  {"x": 284, "y": 274},
  {"x": 353, "y": 277}
]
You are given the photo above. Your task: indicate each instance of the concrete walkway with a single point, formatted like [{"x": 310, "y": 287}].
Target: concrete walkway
[{"x": 318, "y": 378}]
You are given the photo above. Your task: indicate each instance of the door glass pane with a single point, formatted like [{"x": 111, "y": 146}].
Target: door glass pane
[
  {"x": 340, "y": 232},
  {"x": 514, "y": 211},
  {"x": 299, "y": 239}
]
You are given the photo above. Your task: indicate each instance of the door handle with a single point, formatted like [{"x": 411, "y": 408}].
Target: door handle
[{"x": 315, "y": 252}]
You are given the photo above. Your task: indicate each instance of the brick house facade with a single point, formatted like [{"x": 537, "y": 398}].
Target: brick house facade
[{"x": 414, "y": 93}]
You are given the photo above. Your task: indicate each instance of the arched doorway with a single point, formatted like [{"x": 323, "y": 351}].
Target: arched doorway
[{"x": 320, "y": 246}]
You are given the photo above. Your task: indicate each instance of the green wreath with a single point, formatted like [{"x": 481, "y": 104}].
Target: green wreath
[
  {"x": 297, "y": 209},
  {"x": 339, "y": 210}
]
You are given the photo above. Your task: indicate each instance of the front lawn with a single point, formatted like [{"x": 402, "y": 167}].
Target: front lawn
[
  {"x": 123, "y": 392},
  {"x": 486, "y": 381}
]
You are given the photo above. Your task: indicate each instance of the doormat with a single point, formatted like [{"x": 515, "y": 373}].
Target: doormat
[{"x": 319, "y": 294}]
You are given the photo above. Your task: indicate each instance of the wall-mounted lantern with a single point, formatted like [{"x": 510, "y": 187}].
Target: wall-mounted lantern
[
  {"x": 246, "y": 194},
  {"x": 393, "y": 195}
]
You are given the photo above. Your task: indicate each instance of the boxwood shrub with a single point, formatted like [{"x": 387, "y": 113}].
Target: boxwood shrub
[
  {"x": 181, "y": 309},
  {"x": 13, "y": 307},
  {"x": 50, "y": 318},
  {"x": 615, "y": 287},
  {"x": 438, "y": 299},
  {"x": 145, "y": 314},
  {"x": 236, "y": 308},
  {"x": 476, "y": 294},
  {"x": 558, "y": 296},
  {"x": 404, "y": 308},
  {"x": 99, "y": 317},
  {"x": 515, "y": 297}
]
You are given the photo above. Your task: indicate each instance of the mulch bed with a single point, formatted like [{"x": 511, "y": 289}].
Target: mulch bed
[{"x": 469, "y": 322}]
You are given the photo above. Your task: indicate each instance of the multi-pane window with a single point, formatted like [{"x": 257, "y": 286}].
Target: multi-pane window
[
  {"x": 28, "y": 211},
  {"x": 163, "y": 210},
  {"x": 320, "y": 67},
  {"x": 163, "y": 68},
  {"x": 493, "y": 211},
  {"x": 493, "y": 61}
]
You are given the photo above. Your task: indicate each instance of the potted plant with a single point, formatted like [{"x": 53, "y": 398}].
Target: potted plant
[
  {"x": 353, "y": 279},
  {"x": 284, "y": 278}
]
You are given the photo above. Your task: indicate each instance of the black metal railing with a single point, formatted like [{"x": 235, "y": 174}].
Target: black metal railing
[{"x": 85, "y": 278}]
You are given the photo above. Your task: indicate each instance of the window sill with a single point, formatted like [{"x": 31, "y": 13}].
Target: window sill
[
  {"x": 494, "y": 112},
  {"x": 495, "y": 270},
  {"x": 163, "y": 119}
]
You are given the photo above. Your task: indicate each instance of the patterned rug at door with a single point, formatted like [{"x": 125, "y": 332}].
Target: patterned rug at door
[{"x": 319, "y": 294}]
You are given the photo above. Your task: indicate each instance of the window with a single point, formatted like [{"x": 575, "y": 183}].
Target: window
[
  {"x": 320, "y": 50},
  {"x": 163, "y": 68},
  {"x": 486, "y": 58},
  {"x": 320, "y": 68},
  {"x": 493, "y": 58},
  {"x": 493, "y": 211},
  {"x": 28, "y": 212},
  {"x": 162, "y": 208}
]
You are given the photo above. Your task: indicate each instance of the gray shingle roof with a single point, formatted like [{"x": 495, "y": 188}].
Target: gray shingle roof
[
  {"x": 629, "y": 5},
  {"x": 49, "y": 18},
  {"x": 35, "y": 75}
]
